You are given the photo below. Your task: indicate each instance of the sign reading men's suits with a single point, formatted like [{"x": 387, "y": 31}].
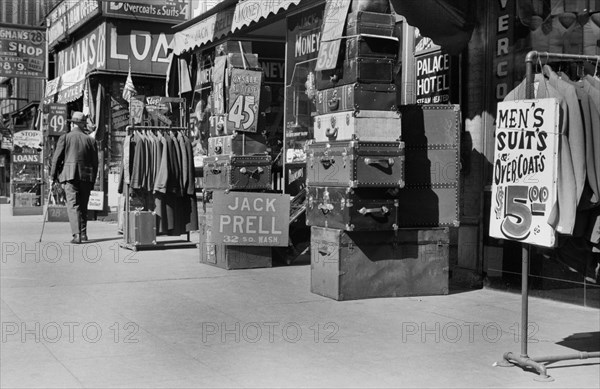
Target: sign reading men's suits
[{"x": 525, "y": 169}]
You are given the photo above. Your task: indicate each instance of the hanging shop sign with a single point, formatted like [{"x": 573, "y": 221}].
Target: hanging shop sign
[
  {"x": 251, "y": 219},
  {"x": 206, "y": 30},
  {"x": 89, "y": 50},
  {"x": 57, "y": 119},
  {"x": 334, "y": 21},
  {"x": 68, "y": 16},
  {"x": 136, "y": 109},
  {"x": 244, "y": 98},
  {"x": 144, "y": 46},
  {"x": 525, "y": 169},
  {"x": 22, "y": 52},
  {"x": 434, "y": 78},
  {"x": 164, "y": 11}
]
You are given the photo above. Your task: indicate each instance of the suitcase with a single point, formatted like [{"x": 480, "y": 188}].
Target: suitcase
[
  {"x": 351, "y": 209},
  {"x": 230, "y": 257},
  {"x": 359, "y": 265},
  {"x": 430, "y": 196},
  {"x": 245, "y": 172},
  {"x": 382, "y": 6},
  {"x": 356, "y": 97},
  {"x": 240, "y": 143},
  {"x": 142, "y": 228},
  {"x": 355, "y": 164},
  {"x": 370, "y": 46},
  {"x": 349, "y": 71},
  {"x": 375, "y": 23},
  {"x": 374, "y": 126}
]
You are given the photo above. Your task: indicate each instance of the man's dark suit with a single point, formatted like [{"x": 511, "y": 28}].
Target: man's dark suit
[{"x": 75, "y": 165}]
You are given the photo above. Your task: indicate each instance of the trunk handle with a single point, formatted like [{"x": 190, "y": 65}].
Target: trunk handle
[
  {"x": 380, "y": 161},
  {"x": 333, "y": 103},
  {"x": 331, "y": 132},
  {"x": 259, "y": 170},
  {"x": 325, "y": 208},
  {"x": 383, "y": 209},
  {"x": 327, "y": 162}
]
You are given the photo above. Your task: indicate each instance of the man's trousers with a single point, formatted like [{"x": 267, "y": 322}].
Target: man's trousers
[{"x": 78, "y": 195}]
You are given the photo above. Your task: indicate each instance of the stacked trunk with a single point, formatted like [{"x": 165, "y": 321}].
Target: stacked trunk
[
  {"x": 356, "y": 174},
  {"x": 237, "y": 160}
]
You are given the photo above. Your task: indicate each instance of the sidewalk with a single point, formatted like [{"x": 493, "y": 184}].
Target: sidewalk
[{"x": 99, "y": 316}]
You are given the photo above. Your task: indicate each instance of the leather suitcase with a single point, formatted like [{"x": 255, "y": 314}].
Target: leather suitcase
[
  {"x": 375, "y": 23},
  {"x": 355, "y": 164},
  {"x": 357, "y": 97},
  {"x": 382, "y": 6},
  {"x": 374, "y": 126},
  {"x": 370, "y": 46},
  {"x": 230, "y": 257},
  {"x": 351, "y": 209},
  {"x": 237, "y": 172},
  {"x": 142, "y": 228},
  {"x": 349, "y": 71},
  {"x": 239, "y": 143},
  {"x": 430, "y": 197},
  {"x": 359, "y": 265}
]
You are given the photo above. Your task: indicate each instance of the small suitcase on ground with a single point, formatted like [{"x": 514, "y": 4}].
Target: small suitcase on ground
[
  {"x": 374, "y": 126},
  {"x": 357, "y": 97},
  {"x": 349, "y": 71},
  {"x": 351, "y": 209},
  {"x": 366, "y": 264},
  {"x": 239, "y": 143},
  {"x": 237, "y": 172},
  {"x": 370, "y": 46},
  {"x": 142, "y": 228},
  {"x": 363, "y": 22},
  {"x": 355, "y": 164},
  {"x": 230, "y": 257},
  {"x": 430, "y": 196}
]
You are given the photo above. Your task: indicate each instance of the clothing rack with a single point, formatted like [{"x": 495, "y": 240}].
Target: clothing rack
[
  {"x": 523, "y": 360},
  {"x": 126, "y": 243}
]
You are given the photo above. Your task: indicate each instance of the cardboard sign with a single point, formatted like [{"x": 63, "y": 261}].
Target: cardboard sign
[
  {"x": 525, "y": 169},
  {"x": 22, "y": 52},
  {"x": 96, "y": 202},
  {"x": 251, "y": 219},
  {"x": 57, "y": 119},
  {"x": 334, "y": 21},
  {"x": 244, "y": 98}
]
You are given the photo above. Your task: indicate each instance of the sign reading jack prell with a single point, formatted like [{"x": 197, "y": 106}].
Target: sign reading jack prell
[
  {"x": 251, "y": 219},
  {"x": 525, "y": 169}
]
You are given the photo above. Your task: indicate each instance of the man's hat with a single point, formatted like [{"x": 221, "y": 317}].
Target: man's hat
[{"x": 77, "y": 117}]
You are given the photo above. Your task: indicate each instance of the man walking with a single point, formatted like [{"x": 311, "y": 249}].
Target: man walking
[{"x": 75, "y": 165}]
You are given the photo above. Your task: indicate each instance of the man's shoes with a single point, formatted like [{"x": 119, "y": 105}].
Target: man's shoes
[
  {"x": 84, "y": 238},
  {"x": 76, "y": 239}
]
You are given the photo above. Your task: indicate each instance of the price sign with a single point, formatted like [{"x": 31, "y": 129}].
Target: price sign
[
  {"x": 334, "y": 21},
  {"x": 525, "y": 171},
  {"x": 57, "y": 119},
  {"x": 22, "y": 52},
  {"x": 244, "y": 97}
]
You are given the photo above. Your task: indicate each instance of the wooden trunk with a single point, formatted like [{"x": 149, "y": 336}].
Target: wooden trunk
[
  {"x": 357, "y": 97},
  {"x": 359, "y": 265},
  {"x": 374, "y": 126},
  {"x": 375, "y": 23},
  {"x": 247, "y": 172},
  {"x": 355, "y": 164},
  {"x": 364, "y": 70}
]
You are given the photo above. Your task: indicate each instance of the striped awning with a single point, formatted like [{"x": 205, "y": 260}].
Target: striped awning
[{"x": 68, "y": 87}]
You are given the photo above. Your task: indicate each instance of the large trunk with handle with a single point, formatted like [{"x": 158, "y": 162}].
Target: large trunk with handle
[
  {"x": 368, "y": 125},
  {"x": 357, "y": 97},
  {"x": 369, "y": 46},
  {"x": 240, "y": 143},
  {"x": 233, "y": 172},
  {"x": 349, "y": 71},
  {"x": 430, "y": 196},
  {"x": 359, "y": 265},
  {"x": 355, "y": 164},
  {"x": 351, "y": 209},
  {"x": 375, "y": 23}
]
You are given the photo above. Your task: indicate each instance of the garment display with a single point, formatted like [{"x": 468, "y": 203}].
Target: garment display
[{"x": 162, "y": 178}]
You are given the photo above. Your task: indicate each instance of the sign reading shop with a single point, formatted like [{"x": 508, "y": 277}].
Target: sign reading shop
[{"x": 525, "y": 168}]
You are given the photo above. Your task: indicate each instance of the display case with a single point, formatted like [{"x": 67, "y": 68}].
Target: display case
[{"x": 27, "y": 188}]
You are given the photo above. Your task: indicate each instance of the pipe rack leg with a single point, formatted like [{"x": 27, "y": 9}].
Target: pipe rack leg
[{"x": 526, "y": 362}]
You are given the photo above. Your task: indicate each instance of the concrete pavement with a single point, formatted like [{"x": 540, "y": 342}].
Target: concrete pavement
[{"x": 99, "y": 316}]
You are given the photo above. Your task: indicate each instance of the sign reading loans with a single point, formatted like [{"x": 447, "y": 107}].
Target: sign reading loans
[
  {"x": 244, "y": 97},
  {"x": 251, "y": 219},
  {"x": 525, "y": 169}
]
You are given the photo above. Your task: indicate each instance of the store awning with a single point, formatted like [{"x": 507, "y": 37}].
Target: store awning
[
  {"x": 448, "y": 23},
  {"x": 68, "y": 87},
  {"x": 226, "y": 21}
]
